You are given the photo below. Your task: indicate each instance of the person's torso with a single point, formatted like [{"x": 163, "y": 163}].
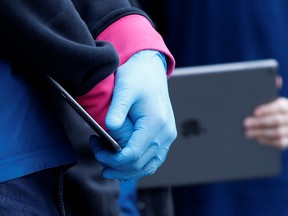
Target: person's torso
[{"x": 31, "y": 136}]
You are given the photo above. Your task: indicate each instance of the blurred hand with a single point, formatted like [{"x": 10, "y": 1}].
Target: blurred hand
[
  {"x": 279, "y": 82},
  {"x": 140, "y": 118},
  {"x": 269, "y": 124}
]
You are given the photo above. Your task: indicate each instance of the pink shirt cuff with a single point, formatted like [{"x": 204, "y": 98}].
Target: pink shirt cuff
[{"x": 133, "y": 33}]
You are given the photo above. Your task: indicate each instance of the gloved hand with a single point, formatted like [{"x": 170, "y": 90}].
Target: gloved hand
[{"x": 140, "y": 118}]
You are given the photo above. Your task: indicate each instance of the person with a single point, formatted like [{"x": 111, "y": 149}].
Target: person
[
  {"x": 209, "y": 32},
  {"x": 91, "y": 48},
  {"x": 87, "y": 193}
]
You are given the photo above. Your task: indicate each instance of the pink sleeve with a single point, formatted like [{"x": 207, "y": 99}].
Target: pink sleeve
[
  {"x": 134, "y": 33},
  {"x": 129, "y": 35},
  {"x": 96, "y": 102}
]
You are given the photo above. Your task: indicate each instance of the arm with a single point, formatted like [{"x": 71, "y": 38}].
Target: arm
[
  {"x": 129, "y": 34},
  {"x": 140, "y": 116},
  {"x": 51, "y": 37}
]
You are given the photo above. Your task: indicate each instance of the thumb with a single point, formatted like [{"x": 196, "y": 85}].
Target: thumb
[{"x": 119, "y": 108}]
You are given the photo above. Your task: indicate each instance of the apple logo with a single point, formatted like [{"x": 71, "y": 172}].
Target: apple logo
[{"x": 192, "y": 127}]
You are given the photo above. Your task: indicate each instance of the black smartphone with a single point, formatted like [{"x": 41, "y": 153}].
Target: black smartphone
[{"x": 100, "y": 132}]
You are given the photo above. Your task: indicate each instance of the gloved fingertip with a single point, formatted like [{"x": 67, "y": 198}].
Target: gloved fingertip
[
  {"x": 114, "y": 122},
  {"x": 92, "y": 139},
  {"x": 94, "y": 142}
]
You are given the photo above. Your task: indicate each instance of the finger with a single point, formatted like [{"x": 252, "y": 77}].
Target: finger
[
  {"x": 119, "y": 108},
  {"x": 96, "y": 143},
  {"x": 153, "y": 151},
  {"x": 97, "y": 146},
  {"x": 280, "y": 144},
  {"x": 267, "y": 133},
  {"x": 146, "y": 131},
  {"x": 129, "y": 154},
  {"x": 273, "y": 120},
  {"x": 135, "y": 147},
  {"x": 158, "y": 147},
  {"x": 149, "y": 169},
  {"x": 280, "y": 105},
  {"x": 141, "y": 162},
  {"x": 123, "y": 134}
]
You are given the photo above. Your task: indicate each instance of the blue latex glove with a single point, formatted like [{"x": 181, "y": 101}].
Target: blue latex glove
[{"x": 140, "y": 118}]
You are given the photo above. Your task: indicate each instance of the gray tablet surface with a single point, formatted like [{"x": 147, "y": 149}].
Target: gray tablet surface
[{"x": 210, "y": 103}]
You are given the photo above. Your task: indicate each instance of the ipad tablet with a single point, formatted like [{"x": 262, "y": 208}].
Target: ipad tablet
[
  {"x": 107, "y": 140},
  {"x": 210, "y": 103}
]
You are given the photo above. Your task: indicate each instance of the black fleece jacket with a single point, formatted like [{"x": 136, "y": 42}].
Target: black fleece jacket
[{"x": 57, "y": 37}]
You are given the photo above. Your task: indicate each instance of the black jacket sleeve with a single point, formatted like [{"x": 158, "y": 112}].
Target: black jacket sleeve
[
  {"x": 97, "y": 20},
  {"x": 51, "y": 36}
]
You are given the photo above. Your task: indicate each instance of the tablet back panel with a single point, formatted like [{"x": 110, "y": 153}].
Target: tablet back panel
[{"x": 210, "y": 103}]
